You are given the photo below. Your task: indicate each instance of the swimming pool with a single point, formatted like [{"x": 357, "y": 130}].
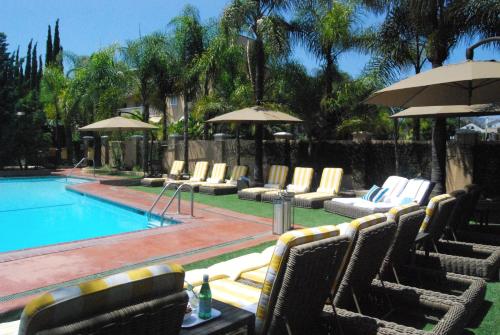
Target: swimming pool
[{"x": 40, "y": 211}]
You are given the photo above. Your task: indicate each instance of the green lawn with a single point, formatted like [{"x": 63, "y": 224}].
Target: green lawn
[
  {"x": 487, "y": 322},
  {"x": 304, "y": 217}
]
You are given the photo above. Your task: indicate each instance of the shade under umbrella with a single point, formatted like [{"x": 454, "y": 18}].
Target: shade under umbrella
[
  {"x": 118, "y": 123},
  {"x": 256, "y": 114},
  {"x": 449, "y": 111},
  {"x": 468, "y": 83}
]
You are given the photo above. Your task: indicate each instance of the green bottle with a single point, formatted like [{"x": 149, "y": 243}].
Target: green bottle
[{"x": 205, "y": 300}]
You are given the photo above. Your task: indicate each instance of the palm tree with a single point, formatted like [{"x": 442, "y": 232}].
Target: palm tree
[
  {"x": 143, "y": 57},
  {"x": 399, "y": 45},
  {"x": 263, "y": 22},
  {"x": 188, "y": 43}
]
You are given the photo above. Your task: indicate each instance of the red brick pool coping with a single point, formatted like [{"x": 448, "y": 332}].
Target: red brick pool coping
[{"x": 213, "y": 231}]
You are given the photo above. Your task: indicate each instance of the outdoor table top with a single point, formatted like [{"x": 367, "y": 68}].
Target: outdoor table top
[{"x": 232, "y": 318}]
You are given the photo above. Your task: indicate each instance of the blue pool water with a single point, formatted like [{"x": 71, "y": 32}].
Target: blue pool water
[{"x": 40, "y": 211}]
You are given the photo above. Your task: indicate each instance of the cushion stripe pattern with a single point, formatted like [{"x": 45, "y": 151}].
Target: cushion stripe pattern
[
  {"x": 236, "y": 294},
  {"x": 77, "y": 293},
  {"x": 200, "y": 171},
  {"x": 238, "y": 172},
  {"x": 277, "y": 175},
  {"x": 430, "y": 210},
  {"x": 177, "y": 167},
  {"x": 331, "y": 179},
  {"x": 219, "y": 171},
  {"x": 302, "y": 177},
  {"x": 279, "y": 259},
  {"x": 396, "y": 212}
]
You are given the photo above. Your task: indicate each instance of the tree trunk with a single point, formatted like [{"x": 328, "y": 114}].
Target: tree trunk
[
  {"x": 69, "y": 139},
  {"x": 328, "y": 74},
  {"x": 164, "y": 120},
  {"x": 97, "y": 151},
  {"x": 438, "y": 154},
  {"x": 259, "y": 93},
  {"x": 58, "y": 142},
  {"x": 145, "y": 139},
  {"x": 416, "y": 129},
  {"x": 186, "y": 132}
]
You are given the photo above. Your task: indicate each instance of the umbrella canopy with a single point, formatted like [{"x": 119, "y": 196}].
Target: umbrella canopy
[
  {"x": 468, "y": 83},
  {"x": 118, "y": 123},
  {"x": 256, "y": 114},
  {"x": 449, "y": 111}
]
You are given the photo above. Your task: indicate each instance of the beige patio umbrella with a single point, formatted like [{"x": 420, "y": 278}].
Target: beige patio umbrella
[
  {"x": 449, "y": 111},
  {"x": 468, "y": 83},
  {"x": 255, "y": 114},
  {"x": 118, "y": 123}
]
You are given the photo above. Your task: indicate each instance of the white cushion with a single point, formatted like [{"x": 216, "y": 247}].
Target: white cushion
[
  {"x": 231, "y": 182},
  {"x": 424, "y": 188},
  {"x": 297, "y": 188},
  {"x": 345, "y": 200},
  {"x": 395, "y": 184},
  {"x": 214, "y": 180},
  {"x": 272, "y": 186},
  {"x": 324, "y": 190},
  {"x": 194, "y": 179}
]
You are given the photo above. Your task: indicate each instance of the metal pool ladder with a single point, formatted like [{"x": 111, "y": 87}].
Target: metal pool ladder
[
  {"x": 177, "y": 194},
  {"x": 74, "y": 167}
]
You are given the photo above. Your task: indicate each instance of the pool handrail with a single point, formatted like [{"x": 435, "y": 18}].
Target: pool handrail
[
  {"x": 74, "y": 167},
  {"x": 158, "y": 198}
]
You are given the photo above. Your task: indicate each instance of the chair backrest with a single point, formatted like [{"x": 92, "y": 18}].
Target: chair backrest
[
  {"x": 200, "y": 171},
  {"x": 331, "y": 180},
  {"x": 302, "y": 178},
  {"x": 101, "y": 296},
  {"x": 457, "y": 215},
  {"x": 277, "y": 175},
  {"x": 238, "y": 172},
  {"x": 439, "y": 218},
  {"x": 177, "y": 167},
  {"x": 219, "y": 172},
  {"x": 408, "y": 219},
  {"x": 277, "y": 266},
  {"x": 431, "y": 212},
  {"x": 395, "y": 186},
  {"x": 364, "y": 263},
  {"x": 308, "y": 277},
  {"x": 351, "y": 230},
  {"x": 474, "y": 193}
]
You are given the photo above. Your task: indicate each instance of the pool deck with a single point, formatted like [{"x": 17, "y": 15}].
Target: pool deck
[{"x": 212, "y": 231}]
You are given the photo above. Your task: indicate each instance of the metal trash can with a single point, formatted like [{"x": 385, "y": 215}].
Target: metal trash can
[{"x": 283, "y": 213}]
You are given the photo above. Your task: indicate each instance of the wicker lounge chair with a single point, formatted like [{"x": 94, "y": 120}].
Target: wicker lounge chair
[
  {"x": 175, "y": 172},
  {"x": 199, "y": 176},
  {"x": 149, "y": 300},
  {"x": 356, "y": 294},
  {"x": 457, "y": 257},
  {"x": 291, "y": 295},
  {"x": 397, "y": 274},
  {"x": 301, "y": 183},
  {"x": 399, "y": 190},
  {"x": 458, "y": 228},
  {"x": 328, "y": 188},
  {"x": 276, "y": 180},
  {"x": 229, "y": 186}
]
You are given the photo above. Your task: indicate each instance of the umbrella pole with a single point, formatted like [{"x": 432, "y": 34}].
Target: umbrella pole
[
  {"x": 396, "y": 155},
  {"x": 238, "y": 145}
]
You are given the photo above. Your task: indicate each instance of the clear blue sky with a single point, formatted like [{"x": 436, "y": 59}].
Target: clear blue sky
[{"x": 86, "y": 26}]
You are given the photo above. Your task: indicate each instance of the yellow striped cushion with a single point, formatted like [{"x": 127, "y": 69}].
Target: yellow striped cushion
[
  {"x": 219, "y": 171},
  {"x": 278, "y": 262},
  {"x": 314, "y": 196},
  {"x": 114, "y": 291},
  {"x": 256, "y": 190},
  {"x": 302, "y": 177},
  {"x": 331, "y": 179},
  {"x": 257, "y": 276},
  {"x": 277, "y": 175},
  {"x": 238, "y": 172},
  {"x": 195, "y": 277},
  {"x": 396, "y": 212},
  {"x": 200, "y": 171},
  {"x": 431, "y": 209},
  {"x": 177, "y": 167},
  {"x": 236, "y": 294}
]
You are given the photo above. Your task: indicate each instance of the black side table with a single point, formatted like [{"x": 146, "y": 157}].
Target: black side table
[{"x": 232, "y": 318}]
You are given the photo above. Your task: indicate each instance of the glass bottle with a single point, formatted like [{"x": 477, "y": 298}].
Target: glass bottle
[{"x": 205, "y": 300}]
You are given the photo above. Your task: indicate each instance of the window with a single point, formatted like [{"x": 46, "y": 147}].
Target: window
[{"x": 172, "y": 100}]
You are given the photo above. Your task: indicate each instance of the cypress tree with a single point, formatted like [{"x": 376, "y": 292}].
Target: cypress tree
[
  {"x": 27, "y": 68},
  {"x": 40, "y": 71},
  {"x": 57, "y": 44},
  {"x": 34, "y": 69},
  {"x": 48, "y": 51}
]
